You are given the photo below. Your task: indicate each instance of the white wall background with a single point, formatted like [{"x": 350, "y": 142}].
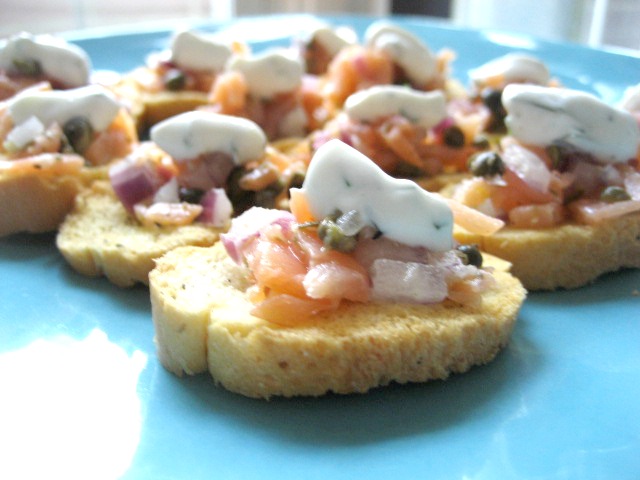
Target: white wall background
[{"x": 594, "y": 22}]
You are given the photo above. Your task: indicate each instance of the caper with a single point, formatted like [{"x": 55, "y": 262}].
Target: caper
[
  {"x": 79, "y": 133},
  {"x": 486, "y": 164},
  {"x": 407, "y": 170},
  {"x": 555, "y": 155},
  {"x": 266, "y": 197},
  {"x": 560, "y": 155},
  {"x": 28, "y": 66},
  {"x": 614, "y": 194},
  {"x": 333, "y": 236},
  {"x": 492, "y": 99},
  {"x": 240, "y": 199},
  {"x": 481, "y": 142},
  {"x": 453, "y": 136},
  {"x": 470, "y": 255},
  {"x": 175, "y": 80},
  {"x": 296, "y": 181},
  {"x": 190, "y": 195}
]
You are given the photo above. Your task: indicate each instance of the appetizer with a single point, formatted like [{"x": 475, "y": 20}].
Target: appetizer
[
  {"x": 179, "y": 188},
  {"x": 52, "y": 143},
  {"x": 27, "y": 60},
  {"x": 178, "y": 79},
  {"x": 566, "y": 182},
  {"x": 362, "y": 285}
]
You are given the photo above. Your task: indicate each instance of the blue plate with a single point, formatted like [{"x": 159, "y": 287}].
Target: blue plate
[{"x": 82, "y": 394}]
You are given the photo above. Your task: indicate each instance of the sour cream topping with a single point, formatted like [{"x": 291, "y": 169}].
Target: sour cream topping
[
  {"x": 422, "y": 108},
  {"x": 407, "y": 50},
  {"x": 342, "y": 178},
  {"x": 631, "y": 99},
  {"x": 269, "y": 74},
  {"x": 543, "y": 116},
  {"x": 511, "y": 68},
  {"x": 57, "y": 58},
  {"x": 194, "y": 51},
  {"x": 191, "y": 134},
  {"x": 334, "y": 39},
  {"x": 95, "y": 103}
]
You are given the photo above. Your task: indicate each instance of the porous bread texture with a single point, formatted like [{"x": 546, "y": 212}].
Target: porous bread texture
[
  {"x": 99, "y": 237},
  {"x": 200, "y": 311},
  {"x": 567, "y": 256}
]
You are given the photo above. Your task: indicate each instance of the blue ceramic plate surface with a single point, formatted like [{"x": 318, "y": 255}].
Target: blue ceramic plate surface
[{"x": 82, "y": 394}]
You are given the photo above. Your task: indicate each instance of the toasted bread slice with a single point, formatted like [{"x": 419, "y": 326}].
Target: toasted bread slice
[
  {"x": 37, "y": 193},
  {"x": 100, "y": 237},
  {"x": 148, "y": 108},
  {"x": 567, "y": 256},
  {"x": 162, "y": 105},
  {"x": 201, "y": 313}
]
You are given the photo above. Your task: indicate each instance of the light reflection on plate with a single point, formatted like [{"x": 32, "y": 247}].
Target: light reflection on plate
[{"x": 65, "y": 402}]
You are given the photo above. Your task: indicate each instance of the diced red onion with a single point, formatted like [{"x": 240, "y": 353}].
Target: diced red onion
[
  {"x": 407, "y": 282},
  {"x": 588, "y": 177},
  {"x": 350, "y": 222},
  {"x": 168, "y": 193},
  {"x": 134, "y": 182},
  {"x": 216, "y": 208},
  {"x": 247, "y": 226},
  {"x": 528, "y": 166},
  {"x": 369, "y": 250},
  {"x": 209, "y": 170}
]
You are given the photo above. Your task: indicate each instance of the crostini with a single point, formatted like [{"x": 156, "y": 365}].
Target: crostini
[
  {"x": 566, "y": 182},
  {"x": 52, "y": 143},
  {"x": 362, "y": 285},
  {"x": 180, "y": 188}
]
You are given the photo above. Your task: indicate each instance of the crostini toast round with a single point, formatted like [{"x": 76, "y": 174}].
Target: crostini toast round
[{"x": 201, "y": 315}]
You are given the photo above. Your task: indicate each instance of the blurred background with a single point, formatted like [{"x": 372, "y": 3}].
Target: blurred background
[{"x": 608, "y": 23}]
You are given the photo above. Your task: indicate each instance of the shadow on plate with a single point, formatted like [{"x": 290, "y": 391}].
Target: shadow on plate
[
  {"x": 394, "y": 411},
  {"x": 134, "y": 298},
  {"x": 22, "y": 247},
  {"x": 610, "y": 287}
]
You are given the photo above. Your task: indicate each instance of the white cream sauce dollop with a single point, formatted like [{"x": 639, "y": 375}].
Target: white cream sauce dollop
[
  {"x": 511, "y": 68},
  {"x": 407, "y": 50},
  {"x": 333, "y": 39},
  {"x": 543, "y": 116},
  {"x": 194, "y": 51},
  {"x": 58, "y": 59},
  {"x": 342, "y": 178},
  {"x": 422, "y": 108},
  {"x": 95, "y": 103},
  {"x": 270, "y": 73},
  {"x": 631, "y": 99},
  {"x": 191, "y": 134}
]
